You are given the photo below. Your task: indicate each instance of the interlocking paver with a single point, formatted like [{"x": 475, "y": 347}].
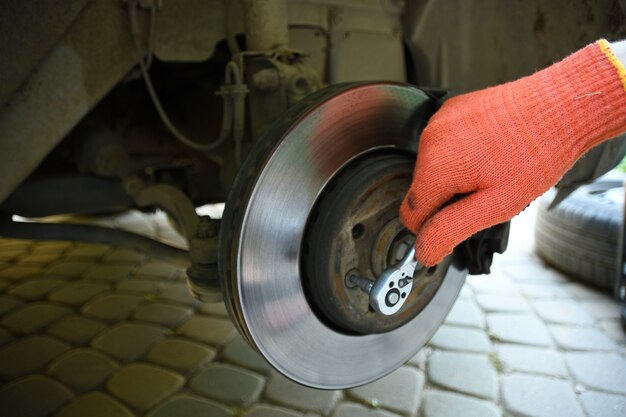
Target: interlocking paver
[
  {"x": 108, "y": 273},
  {"x": 69, "y": 269},
  {"x": 167, "y": 315},
  {"x": 544, "y": 291},
  {"x": 599, "y": 404},
  {"x": 52, "y": 246},
  {"x": 530, "y": 272},
  {"x": 157, "y": 270},
  {"x": 537, "y": 396},
  {"x": 36, "y": 289},
  {"x": 495, "y": 283},
  {"x": 190, "y": 406},
  {"x": 227, "y": 384},
  {"x": 87, "y": 251},
  {"x": 602, "y": 309},
  {"x": 141, "y": 286},
  {"x": 583, "y": 291},
  {"x": 464, "y": 372},
  {"x": 614, "y": 330},
  {"x": 502, "y": 303},
  {"x": 125, "y": 256},
  {"x": 112, "y": 307},
  {"x": 78, "y": 293},
  {"x": 41, "y": 259},
  {"x": 33, "y": 317},
  {"x": 563, "y": 312},
  {"x": 466, "y": 313},
  {"x": 127, "y": 342},
  {"x": 94, "y": 404},
  {"x": 419, "y": 359},
  {"x": 531, "y": 359},
  {"x": 33, "y": 396},
  {"x": 240, "y": 353},
  {"x": 28, "y": 355},
  {"x": 8, "y": 303},
  {"x": 348, "y": 410},
  {"x": 449, "y": 404},
  {"x": 180, "y": 355},
  {"x": 214, "y": 309},
  {"x": 518, "y": 328},
  {"x": 399, "y": 391},
  {"x": 581, "y": 338},
  {"x": 601, "y": 371},
  {"x": 462, "y": 339},
  {"x": 82, "y": 369},
  {"x": 179, "y": 293},
  {"x": 210, "y": 330},
  {"x": 20, "y": 272},
  {"x": 287, "y": 393},
  {"x": 76, "y": 329}
]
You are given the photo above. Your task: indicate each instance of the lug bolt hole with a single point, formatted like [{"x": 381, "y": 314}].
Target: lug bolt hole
[
  {"x": 391, "y": 285},
  {"x": 403, "y": 295},
  {"x": 358, "y": 230}
]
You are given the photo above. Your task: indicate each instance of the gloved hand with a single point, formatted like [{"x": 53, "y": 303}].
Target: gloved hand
[{"x": 502, "y": 147}]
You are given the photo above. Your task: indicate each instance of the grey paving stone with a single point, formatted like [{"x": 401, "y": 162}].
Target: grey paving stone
[
  {"x": 210, "y": 330},
  {"x": 584, "y": 292},
  {"x": 529, "y": 359},
  {"x": 240, "y": 353},
  {"x": 420, "y": 358},
  {"x": 20, "y": 272},
  {"x": 537, "y": 396},
  {"x": 157, "y": 270},
  {"x": 353, "y": 410},
  {"x": 544, "y": 291},
  {"x": 614, "y": 330},
  {"x": 142, "y": 386},
  {"x": 69, "y": 269},
  {"x": 28, "y": 355},
  {"x": 466, "y": 313},
  {"x": 112, "y": 307},
  {"x": 518, "y": 328},
  {"x": 78, "y": 293},
  {"x": 532, "y": 272},
  {"x": 76, "y": 329},
  {"x": 127, "y": 342},
  {"x": 8, "y": 303},
  {"x": 36, "y": 289},
  {"x": 228, "y": 385},
  {"x": 180, "y": 355},
  {"x": 125, "y": 256},
  {"x": 399, "y": 391},
  {"x": 214, "y": 309},
  {"x": 264, "y": 410},
  {"x": 5, "y": 337},
  {"x": 495, "y": 283},
  {"x": 167, "y": 315},
  {"x": 82, "y": 369},
  {"x": 285, "y": 392},
  {"x": 600, "y": 371},
  {"x": 94, "y": 404},
  {"x": 33, "y": 396},
  {"x": 140, "y": 286},
  {"x": 448, "y": 404},
  {"x": 87, "y": 251},
  {"x": 108, "y": 273},
  {"x": 179, "y": 292},
  {"x": 33, "y": 317},
  {"x": 599, "y": 404},
  {"x": 563, "y": 312},
  {"x": 602, "y": 309},
  {"x": 190, "y": 406},
  {"x": 502, "y": 303},
  {"x": 464, "y": 372},
  {"x": 461, "y": 339},
  {"x": 581, "y": 338}
]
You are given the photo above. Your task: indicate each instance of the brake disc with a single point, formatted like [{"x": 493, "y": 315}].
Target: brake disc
[{"x": 269, "y": 208}]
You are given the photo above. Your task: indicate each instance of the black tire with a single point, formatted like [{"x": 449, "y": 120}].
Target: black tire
[{"x": 580, "y": 235}]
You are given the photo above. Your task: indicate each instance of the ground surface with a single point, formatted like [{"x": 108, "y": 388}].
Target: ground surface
[{"x": 89, "y": 330}]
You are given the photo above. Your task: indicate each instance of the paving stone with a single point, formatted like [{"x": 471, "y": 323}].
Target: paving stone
[
  {"x": 502, "y": 303},
  {"x": 228, "y": 385},
  {"x": 264, "y": 410},
  {"x": 464, "y": 372},
  {"x": 112, "y": 307},
  {"x": 87, "y": 251},
  {"x": 41, "y": 259},
  {"x": 285, "y": 392},
  {"x": 108, "y": 273},
  {"x": 601, "y": 371},
  {"x": 495, "y": 283},
  {"x": 179, "y": 293},
  {"x": 8, "y": 303},
  {"x": 599, "y": 404},
  {"x": 55, "y": 246},
  {"x": 449, "y": 404},
  {"x": 190, "y": 406},
  {"x": 544, "y": 291},
  {"x": 28, "y": 355},
  {"x": 142, "y": 286},
  {"x": 76, "y": 329},
  {"x": 348, "y": 410},
  {"x": 531, "y": 272},
  {"x": 5, "y": 337},
  {"x": 210, "y": 330},
  {"x": 164, "y": 314},
  {"x": 125, "y": 256},
  {"x": 563, "y": 312},
  {"x": 581, "y": 338},
  {"x": 518, "y": 328},
  {"x": 399, "y": 391},
  {"x": 82, "y": 369},
  {"x": 614, "y": 329},
  {"x": 420, "y": 358},
  {"x": 36, "y": 289},
  {"x": 94, "y": 404},
  {"x": 142, "y": 386},
  {"x": 15, "y": 244},
  {"x": 78, "y": 293},
  {"x": 33, "y": 317},
  {"x": 70, "y": 269},
  {"x": 537, "y": 396},
  {"x": 214, "y": 309},
  {"x": 128, "y": 341},
  {"x": 20, "y": 272},
  {"x": 602, "y": 309},
  {"x": 466, "y": 313},
  {"x": 33, "y": 396},
  {"x": 584, "y": 292},
  {"x": 531, "y": 359},
  {"x": 157, "y": 270},
  {"x": 240, "y": 353},
  {"x": 462, "y": 339},
  {"x": 180, "y": 355},
  {"x": 11, "y": 255}
]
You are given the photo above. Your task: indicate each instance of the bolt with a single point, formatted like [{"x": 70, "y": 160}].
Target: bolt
[{"x": 392, "y": 298}]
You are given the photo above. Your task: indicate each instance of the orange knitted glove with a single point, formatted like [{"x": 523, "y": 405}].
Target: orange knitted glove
[{"x": 504, "y": 146}]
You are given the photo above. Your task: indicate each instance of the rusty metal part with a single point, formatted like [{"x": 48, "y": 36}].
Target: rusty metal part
[{"x": 355, "y": 227}]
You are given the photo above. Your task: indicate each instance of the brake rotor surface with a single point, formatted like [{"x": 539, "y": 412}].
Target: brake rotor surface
[{"x": 265, "y": 221}]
